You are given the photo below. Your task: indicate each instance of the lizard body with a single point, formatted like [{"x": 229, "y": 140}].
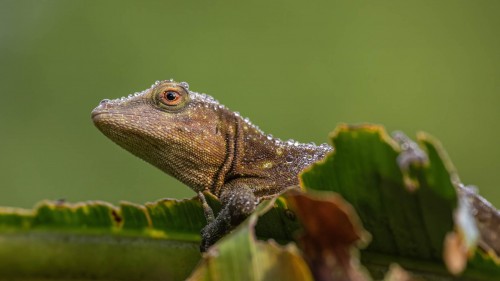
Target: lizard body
[{"x": 200, "y": 142}]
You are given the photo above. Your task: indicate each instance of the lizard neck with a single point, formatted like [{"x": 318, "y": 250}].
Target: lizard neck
[{"x": 264, "y": 163}]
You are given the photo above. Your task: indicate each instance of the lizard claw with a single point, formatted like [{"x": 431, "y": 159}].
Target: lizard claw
[
  {"x": 214, "y": 230},
  {"x": 206, "y": 240},
  {"x": 209, "y": 235}
]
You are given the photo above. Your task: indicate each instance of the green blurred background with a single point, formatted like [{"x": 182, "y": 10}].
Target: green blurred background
[{"x": 296, "y": 70}]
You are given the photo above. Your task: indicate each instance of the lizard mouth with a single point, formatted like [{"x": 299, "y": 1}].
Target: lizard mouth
[
  {"x": 99, "y": 115},
  {"x": 95, "y": 113}
]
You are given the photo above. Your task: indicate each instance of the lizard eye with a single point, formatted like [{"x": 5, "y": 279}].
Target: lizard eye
[{"x": 170, "y": 97}]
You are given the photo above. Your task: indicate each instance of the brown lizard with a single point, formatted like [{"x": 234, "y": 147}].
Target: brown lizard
[{"x": 193, "y": 138}]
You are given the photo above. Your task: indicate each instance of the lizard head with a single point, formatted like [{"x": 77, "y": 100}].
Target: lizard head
[{"x": 170, "y": 127}]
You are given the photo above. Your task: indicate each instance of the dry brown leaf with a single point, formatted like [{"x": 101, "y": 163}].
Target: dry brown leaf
[{"x": 331, "y": 231}]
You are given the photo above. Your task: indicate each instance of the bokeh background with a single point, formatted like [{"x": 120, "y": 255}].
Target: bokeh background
[{"x": 296, "y": 69}]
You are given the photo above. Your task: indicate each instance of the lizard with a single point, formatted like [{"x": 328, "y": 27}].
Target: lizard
[
  {"x": 197, "y": 140},
  {"x": 203, "y": 144}
]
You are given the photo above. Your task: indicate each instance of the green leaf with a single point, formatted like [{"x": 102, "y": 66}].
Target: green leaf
[
  {"x": 406, "y": 202},
  {"x": 95, "y": 240}
]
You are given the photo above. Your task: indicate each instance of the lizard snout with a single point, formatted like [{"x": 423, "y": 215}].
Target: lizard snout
[{"x": 103, "y": 107}]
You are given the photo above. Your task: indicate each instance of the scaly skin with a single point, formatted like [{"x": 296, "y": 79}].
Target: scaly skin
[{"x": 193, "y": 138}]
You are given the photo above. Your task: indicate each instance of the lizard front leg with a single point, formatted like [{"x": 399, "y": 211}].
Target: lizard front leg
[{"x": 238, "y": 202}]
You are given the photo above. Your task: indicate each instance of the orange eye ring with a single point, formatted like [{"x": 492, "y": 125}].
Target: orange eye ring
[{"x": 170, "y": 97}]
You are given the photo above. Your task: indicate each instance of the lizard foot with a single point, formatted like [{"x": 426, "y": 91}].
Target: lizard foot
[
  {"x": 238, "y": 204},
  {"x": 214, "y": 230}
]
